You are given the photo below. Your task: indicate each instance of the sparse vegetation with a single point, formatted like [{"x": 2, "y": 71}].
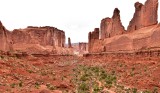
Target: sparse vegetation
[
  {"x": 30, "y": 71},
  {"x": 146, "y": 91},
  {"x": 78, "y": 75},
  {"x": 93, "y": 79},
  {"x": 13, "y": 85},
  {"x": 37, "y": 85},
  {"x": 51, "y": 87}
]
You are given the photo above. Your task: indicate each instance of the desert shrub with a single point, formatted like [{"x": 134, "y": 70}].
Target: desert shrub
[
  {"x": 37, "y": 85},
  {"x": 13, "y": 85},
  {"x": 146, "y": 91},
  {"x": 92, "y": 78},
  {"x": 51, "y": 87},
  {"x": 155, "y": 90}
]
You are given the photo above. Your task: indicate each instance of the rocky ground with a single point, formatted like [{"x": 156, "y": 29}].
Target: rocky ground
[{"x": 73, "y": 74}]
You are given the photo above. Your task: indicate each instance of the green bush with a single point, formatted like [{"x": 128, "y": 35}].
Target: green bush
[
  {"x": 13, "y": 85},
  {"x": 87, "y": 78}
]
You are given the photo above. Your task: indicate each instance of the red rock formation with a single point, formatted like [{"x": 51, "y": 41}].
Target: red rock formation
[
  {"x": 34, "y": 40},
  {"x": 95, "y": 34},
  {"x": 89, "y": 41},
  {"x": 111, "y": 26},
  {"x": 38, "y": 39},
  {"x": 83, "y": 46},
  {"x": 145, "y": 15},
  {"x": 104, "y": 25},
  {"x": 5, "y": 44},
  {"x": 92, "y": 37},
  {"x": 39, "y": 35},
  {"x": 145, "y": 38},
  {"x": 69, "y": 43}
]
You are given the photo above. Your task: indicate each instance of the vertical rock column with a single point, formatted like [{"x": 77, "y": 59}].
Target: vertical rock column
[
  {"x": 69, "y": 43},
  {"x": 4, "y": 42},
  {"x": 91, "y": 38},
  {"x": 111, "y": 26},
  {"x": 145, "y": 15}
]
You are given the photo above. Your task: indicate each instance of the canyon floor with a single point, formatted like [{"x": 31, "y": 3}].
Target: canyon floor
[{"x": 77, "y": 74}]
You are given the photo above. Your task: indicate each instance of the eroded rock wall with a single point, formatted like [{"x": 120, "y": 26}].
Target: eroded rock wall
[
  {"x": 92, "y": 37},
  {"x": 111, "y": 26},
  {"x": 145, "y": 37},
  {"x": 5, "y": 43},
  {"x": 33, "y": 40},
  {"x": 83, "y": 46},
  {"x": 47, "y": 38},
  {"x": 145, "y": 15}
]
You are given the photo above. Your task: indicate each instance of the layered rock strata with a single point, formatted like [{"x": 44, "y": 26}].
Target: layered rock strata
[{"x": 142, "y": 33}]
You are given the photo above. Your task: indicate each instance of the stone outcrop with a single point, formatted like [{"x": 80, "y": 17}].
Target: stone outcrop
[
  {"x": 145, "y": 15},
  {"x": 69, "y": 43},
  {"x": 92, "y": 37},
  {"x": 80, "y": 48},
  {"x": 111, "y": 26},
  {"x": 39, "y": 35},
  {"x": 36, "y": 39},
  {"x": 33, "y": 40},
  {"x": 143, "y": 39},
  {"x": 83, "y": 46},
  {"x": 146, "y": 36},
  {"x": 5, "y": 44}
]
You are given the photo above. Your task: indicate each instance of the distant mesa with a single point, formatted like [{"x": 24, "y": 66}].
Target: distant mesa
[
  {"x": 34, "y": 40},
  {"x": 83, "y": 46},
  {"x": 80, "y": 48}
]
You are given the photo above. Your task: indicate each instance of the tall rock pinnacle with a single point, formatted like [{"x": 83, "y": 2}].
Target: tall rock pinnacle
[
  {"x": 112, "y": 26},
  {"x": 145, "y": 15}
]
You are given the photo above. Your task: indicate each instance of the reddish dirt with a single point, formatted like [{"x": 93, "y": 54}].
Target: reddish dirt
[{"x": 33, "y": 74}]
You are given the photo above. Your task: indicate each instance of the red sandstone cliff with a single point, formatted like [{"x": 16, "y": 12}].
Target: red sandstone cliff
[
  {"x": 39, "y": 35},
  {"x": 145, "y": 37},
  {"x": 111, "y": 26},
  {"x": 92, "y": 37},
  {"x": 145, "y": 15},
  {"x": 5, "y": 44},
  {"x": 34, "y": 40}
]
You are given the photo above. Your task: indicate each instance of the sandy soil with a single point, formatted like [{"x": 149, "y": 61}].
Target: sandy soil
[{"x": 54, "y": 74}]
